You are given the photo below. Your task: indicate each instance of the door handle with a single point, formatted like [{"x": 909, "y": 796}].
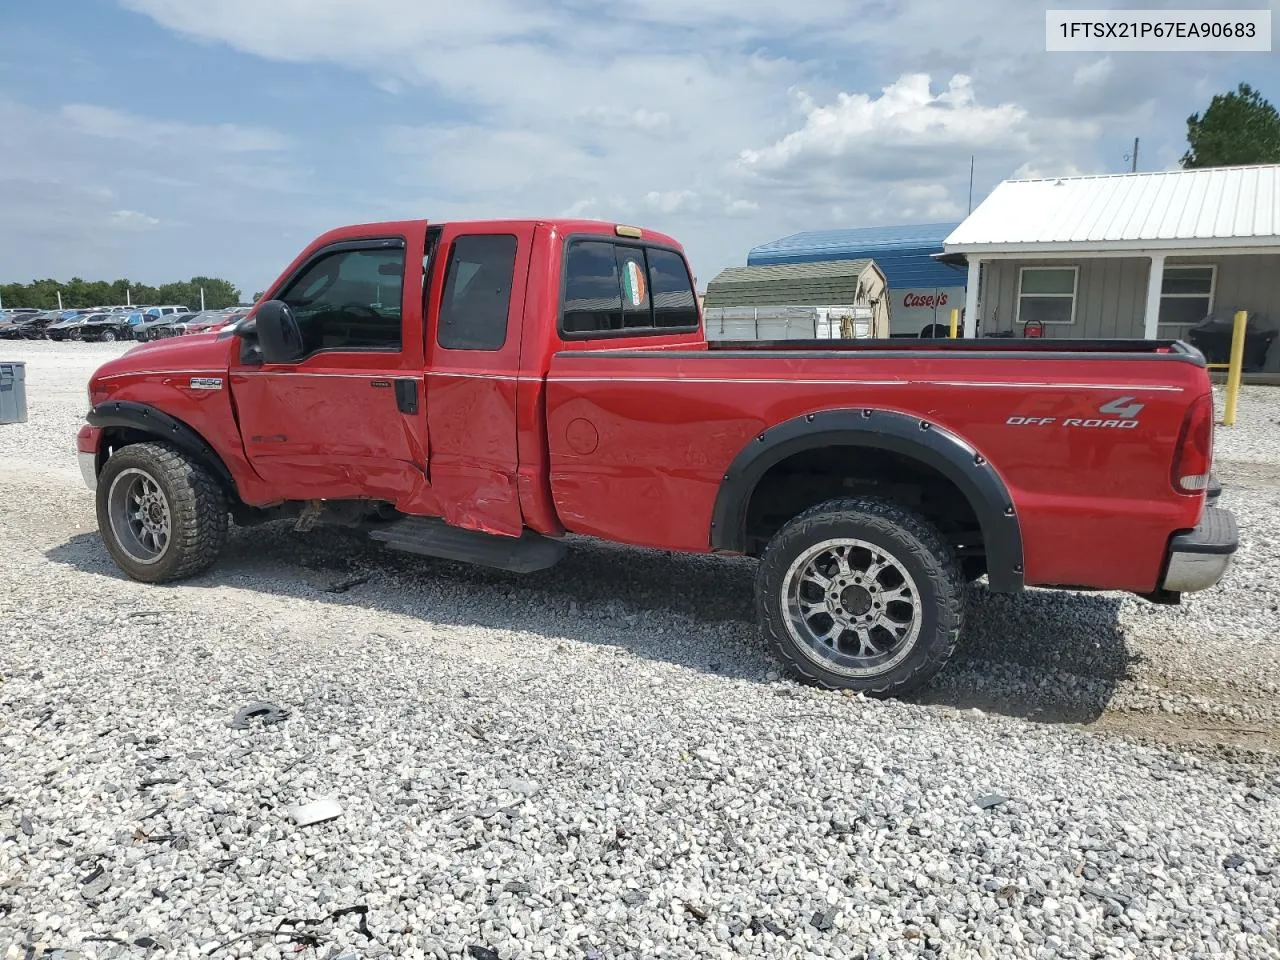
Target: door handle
[{"x": 407, "y": 395}]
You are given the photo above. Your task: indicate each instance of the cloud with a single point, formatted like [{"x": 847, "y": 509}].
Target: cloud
[
  {"x": 722, "y": 122},
  {"x": 906, "y": 116},
  {"x": 638, "y": 119},
  {"x": 205, "y": 200},
  {"x": 1093, "y": 74},
  {"x": 902, "y": 156},
  {"x": 112, "y": 124},
  {"x": 672, "y": 201},
  {"x": 132, "y": 219},
  {"x": 1042, "y": 171}
]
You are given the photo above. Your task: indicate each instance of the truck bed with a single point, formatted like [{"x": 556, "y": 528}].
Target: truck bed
[{"x": 665, "y": 426}]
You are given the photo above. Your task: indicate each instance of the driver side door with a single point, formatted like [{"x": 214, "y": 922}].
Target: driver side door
[{"x": 346, "y": 420}]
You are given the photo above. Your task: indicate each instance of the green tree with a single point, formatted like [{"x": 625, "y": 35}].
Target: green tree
[
  {"x": 217, "y": 292},
  {"x": 78, "y": 292},
  {"x": 1236, "y": 128}
]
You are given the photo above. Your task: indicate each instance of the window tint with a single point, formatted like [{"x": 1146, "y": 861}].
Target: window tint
[
  {"x": 674, "y": 304},
  {"x": 350, "y": 300},
  {"x": 592, "y": 296},
  {"x": 477, "y": 293},
  {"x": 615, "y": 287}
]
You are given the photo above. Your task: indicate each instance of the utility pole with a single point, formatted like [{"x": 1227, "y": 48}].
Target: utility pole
[
  {"x": 202, "y": 299},
  {"x": 971, "y": 183},
  {"x": 1133, "y": 157},
  {"x": 59, "y": 293}
]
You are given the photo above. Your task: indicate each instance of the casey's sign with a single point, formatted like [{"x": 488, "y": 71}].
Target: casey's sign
[{"x": 930, "y": 301}]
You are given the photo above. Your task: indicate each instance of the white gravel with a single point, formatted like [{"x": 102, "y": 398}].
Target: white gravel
[{"x": 598, "y": 762}]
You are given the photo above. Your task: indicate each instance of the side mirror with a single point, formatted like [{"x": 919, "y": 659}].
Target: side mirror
[{"x": 279, "y": 336}]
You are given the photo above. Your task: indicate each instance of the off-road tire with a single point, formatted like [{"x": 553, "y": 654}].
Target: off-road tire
[
  {"x": 197, "y": 505},
  {"x": 914, "y": 543}
]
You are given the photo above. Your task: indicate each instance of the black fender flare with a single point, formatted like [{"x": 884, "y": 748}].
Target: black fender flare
[
  {"x": 889, "y": 430},
  {"x": 150, "y": 420}
]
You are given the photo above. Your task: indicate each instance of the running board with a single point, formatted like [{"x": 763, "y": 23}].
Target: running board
[{"x": 432, "y": 537}]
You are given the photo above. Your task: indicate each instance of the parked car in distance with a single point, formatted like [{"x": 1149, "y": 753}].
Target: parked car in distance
[
  {"x": 172, "y": 310},
  {"x": 10, "y": 318},
  {"x": 72, "y": 327},
  {"x": 207, "y": 321},
  {"x": 155, "y": 327},
  {"x": 29, "y": 326},
  {"x": 112, "y": 326}
]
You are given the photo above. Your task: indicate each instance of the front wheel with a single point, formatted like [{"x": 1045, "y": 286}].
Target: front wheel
[
  {"x": 108, "y": 336},
  {"x": 161, "y": 514},
  {"x": 861, "y": 594}
]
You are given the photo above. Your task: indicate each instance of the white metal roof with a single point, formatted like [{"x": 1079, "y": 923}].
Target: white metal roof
[{"x": 1219, "y": 207}]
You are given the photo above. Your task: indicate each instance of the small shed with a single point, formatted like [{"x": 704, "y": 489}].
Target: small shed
[
  {"x": 1145, "y": 255},
  {"x": 922, "y": 290},
  {"x": 831, "y": 283}
]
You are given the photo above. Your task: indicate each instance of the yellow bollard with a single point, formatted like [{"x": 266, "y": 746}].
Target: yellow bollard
[
  {"x": 955, "y": 322},
  {"x": 1235, "y": 369}
]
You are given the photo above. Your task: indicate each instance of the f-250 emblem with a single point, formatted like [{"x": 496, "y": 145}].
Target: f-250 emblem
[{"x": 1118, "y": 414}]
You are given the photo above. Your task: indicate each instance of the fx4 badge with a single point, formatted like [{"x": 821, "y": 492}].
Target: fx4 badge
[{"x": 1121, "y": 414}]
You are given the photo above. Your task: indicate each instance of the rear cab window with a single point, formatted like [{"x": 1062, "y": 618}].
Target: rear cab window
[
  {"x": 621, "y": 288},
  {"x": 476, "y": 303}
]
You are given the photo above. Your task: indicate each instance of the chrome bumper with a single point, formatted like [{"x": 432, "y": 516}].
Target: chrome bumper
[
  {"x": 1200, "y": 558},
  {"x": 89, "y": 469}
]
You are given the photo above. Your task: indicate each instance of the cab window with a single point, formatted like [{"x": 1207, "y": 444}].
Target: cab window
[
  {"x": 350, "y": 300},
  {"x": 477, "y": 292},
  {"x": 625, "y": 289}
]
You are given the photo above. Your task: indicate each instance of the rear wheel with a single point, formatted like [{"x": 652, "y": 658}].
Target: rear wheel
[
  {"x": 162, "y": 515},
  {"x": 861, "y": 594},
  {"x": 108, "y": 336}
]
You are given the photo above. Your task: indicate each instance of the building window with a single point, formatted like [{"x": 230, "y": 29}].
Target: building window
[
  {"x": 1186, "y": 295},
  {"x": 1047, "y": 294}
]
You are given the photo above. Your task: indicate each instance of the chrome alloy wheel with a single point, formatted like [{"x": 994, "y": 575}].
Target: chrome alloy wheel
[
  {"x": 141, "y": 520},
  {"x": 851, "y": 607}
]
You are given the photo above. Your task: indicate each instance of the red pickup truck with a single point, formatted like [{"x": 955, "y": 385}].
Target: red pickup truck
[{"x": 478, "y": 391}]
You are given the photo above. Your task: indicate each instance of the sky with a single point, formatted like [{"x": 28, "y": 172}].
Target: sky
[{"x": 161, "y": 139}]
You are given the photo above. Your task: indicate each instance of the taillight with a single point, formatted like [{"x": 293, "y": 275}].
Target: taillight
[{"x": 1193, "y": 458}]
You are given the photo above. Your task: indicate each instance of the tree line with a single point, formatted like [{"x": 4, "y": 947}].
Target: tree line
[{"x": 77, "y": 293}]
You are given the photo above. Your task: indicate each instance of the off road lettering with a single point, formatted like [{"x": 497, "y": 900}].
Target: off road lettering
[{"x": 1102, "y": 424}]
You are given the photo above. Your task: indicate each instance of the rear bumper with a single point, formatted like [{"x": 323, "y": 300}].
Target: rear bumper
[{"x": 1201, "y": 557}]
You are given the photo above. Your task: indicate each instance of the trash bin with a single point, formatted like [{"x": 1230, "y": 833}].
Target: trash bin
[
  {"x": 13, "y": 392},
  {"x": 1213, "y": 338}
]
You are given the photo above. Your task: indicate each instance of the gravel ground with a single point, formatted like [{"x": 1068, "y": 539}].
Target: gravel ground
[{"x": 597, "y": 761}]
